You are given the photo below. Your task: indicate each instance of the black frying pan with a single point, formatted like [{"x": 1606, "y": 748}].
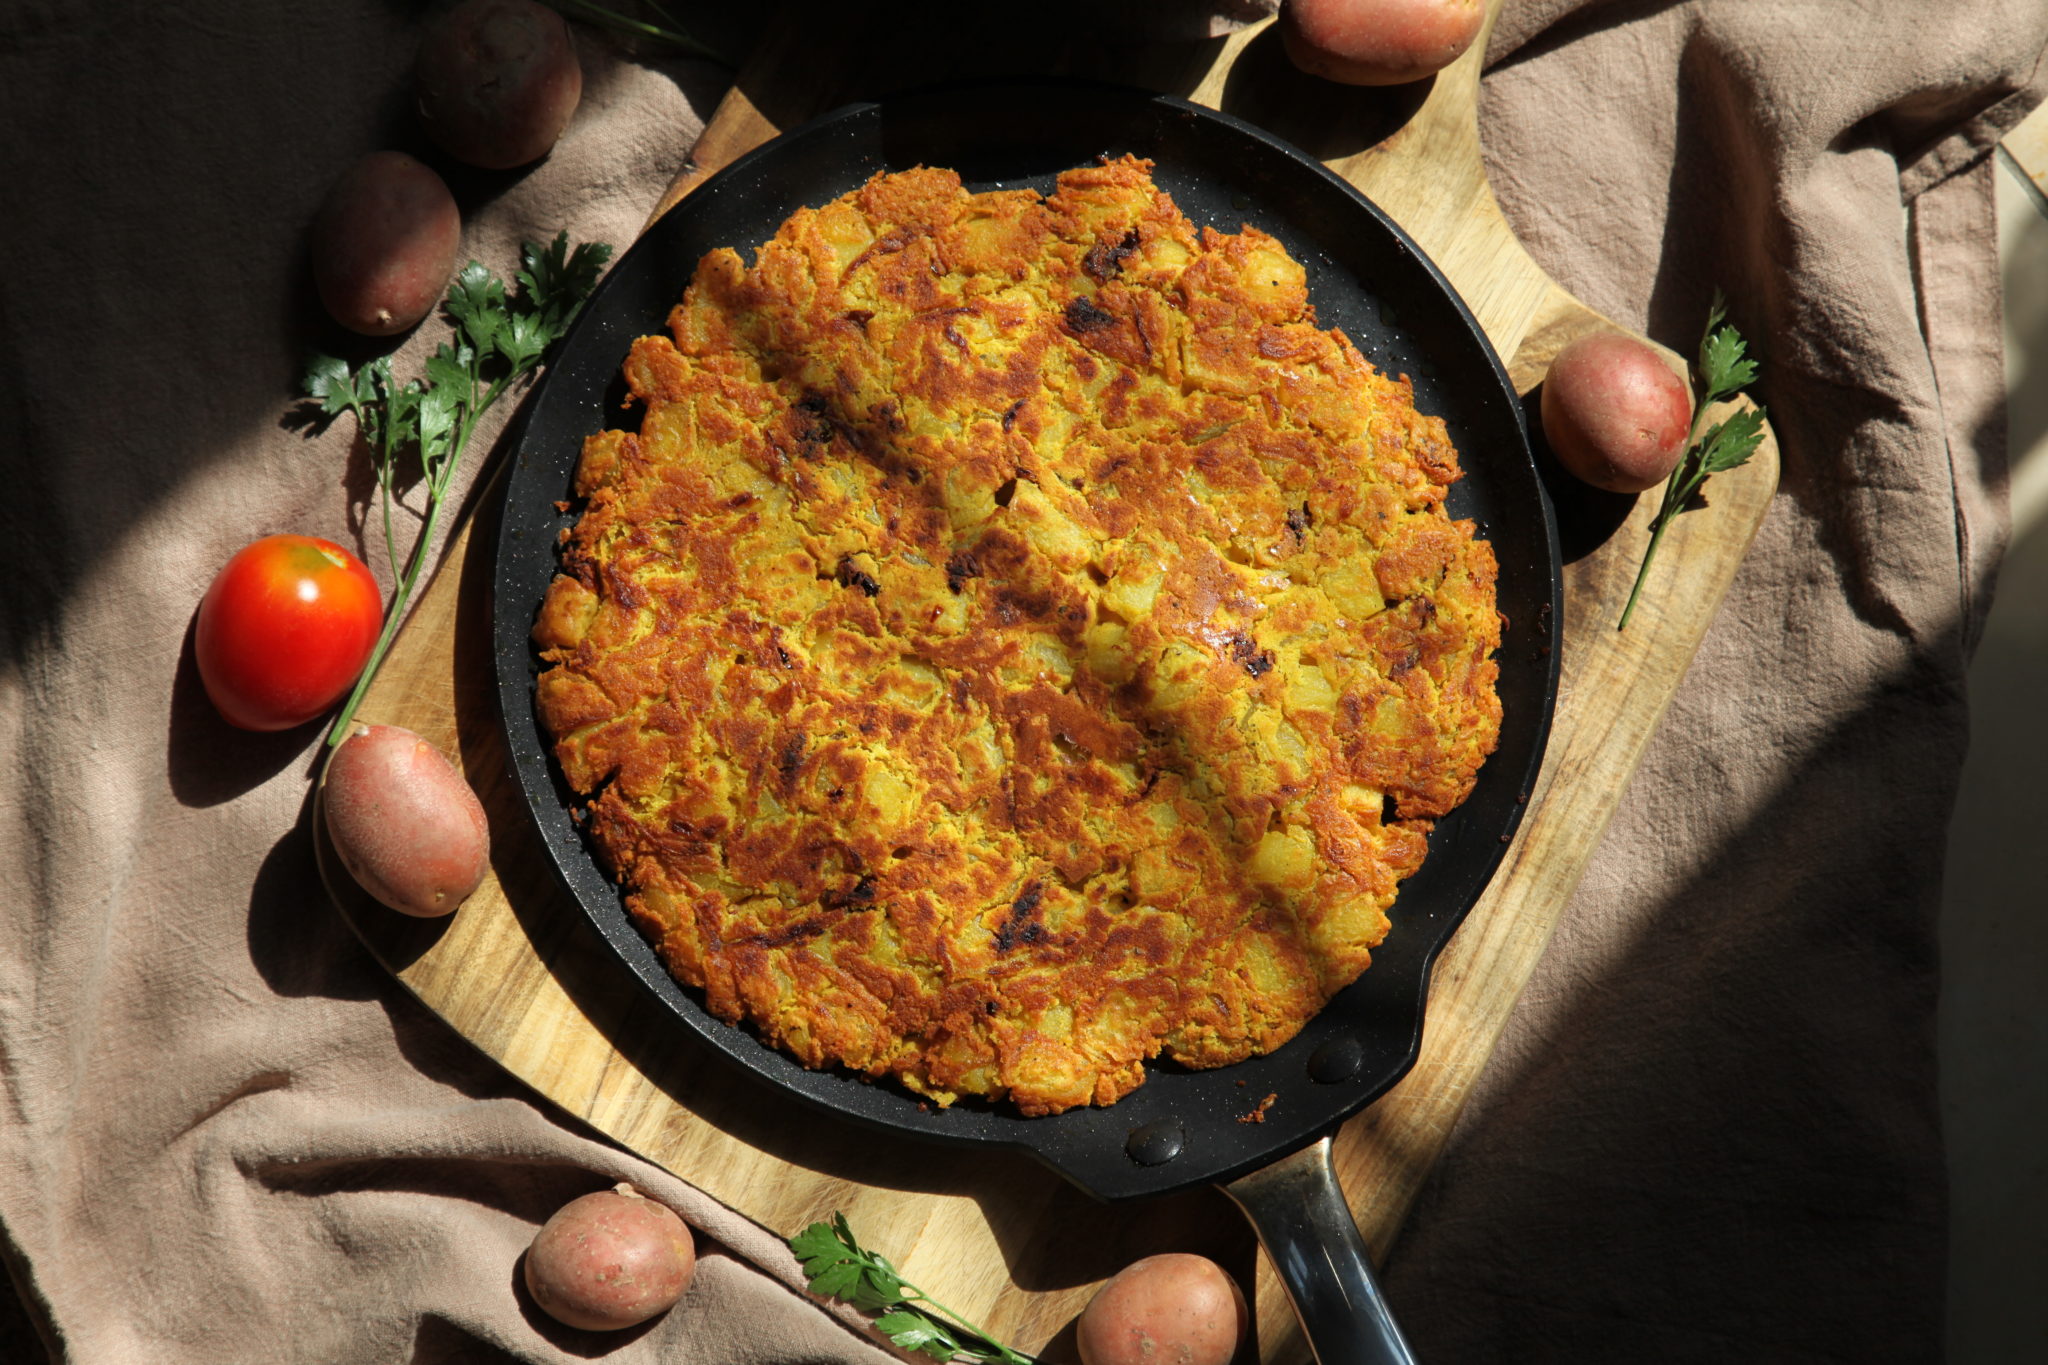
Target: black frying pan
[{"x": 1365, "y": 276}]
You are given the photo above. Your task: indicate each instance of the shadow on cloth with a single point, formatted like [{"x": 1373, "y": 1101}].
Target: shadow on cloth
[
  {"x": 1707, "y": 1053},
  {"x": 297, "y": 941},
  {"x": 210, "y": 762},
  {"x": 437, "y": 1341}
]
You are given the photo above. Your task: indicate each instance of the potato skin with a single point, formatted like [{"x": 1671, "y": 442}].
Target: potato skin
[
  {"x": 405, "y": 824},
  {"x": 1378, "y": 42},
  {"x": 610, "y": 1260},
  {"x": 1172, "y": 1309},
  {"x": 1615, "y": 413},
  {"x": 384, "y": 243},
  {"x": 498, "y": 81}
]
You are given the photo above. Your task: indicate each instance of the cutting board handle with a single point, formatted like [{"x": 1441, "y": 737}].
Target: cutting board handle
[{"x": 1304, "y": 1224}]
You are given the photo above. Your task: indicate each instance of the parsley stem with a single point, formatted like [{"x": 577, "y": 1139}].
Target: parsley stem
[
  {"x": 838, "y": 1266},
  {"x": 498, "y": 341},
  {"x": 1656, "y": 535},
  {"x": 384, "y": 503},
  {"x": 931, "y": 1307},
  {"x": 1722, "y": 373},
  {"x": 1667, "y": 508},
  {"x": 394, "y": 615},
  {"x": 437, "y": 481},
  {"x": 607, "y": 18}
]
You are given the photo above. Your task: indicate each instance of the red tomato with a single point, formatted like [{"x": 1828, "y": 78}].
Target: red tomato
[{"x": 284, "y": 631}]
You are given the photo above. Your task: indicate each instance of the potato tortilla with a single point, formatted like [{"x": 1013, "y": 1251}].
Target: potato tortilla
[{"x": 1018, "y": 642}]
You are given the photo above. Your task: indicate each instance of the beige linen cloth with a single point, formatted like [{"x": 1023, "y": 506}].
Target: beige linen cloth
[{"x": 1711, "y": 1134}]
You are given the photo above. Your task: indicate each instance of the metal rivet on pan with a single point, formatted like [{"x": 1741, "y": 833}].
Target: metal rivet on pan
[
  {"x": 1337, "y": 1060},
  {"x": 1155, "y": 1143}
]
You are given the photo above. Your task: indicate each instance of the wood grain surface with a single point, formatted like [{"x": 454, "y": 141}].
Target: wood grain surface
[{"x": 520, "y": 972}]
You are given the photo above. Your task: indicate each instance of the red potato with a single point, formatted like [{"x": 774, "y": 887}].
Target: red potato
[
  {"x": 610, "y": 1260},
  {"x": 1378, "y": 42},
  {"x": 405, "y": 824},
  {"x": 1173, "y": 1309},
  {"x": 1615, "y": 412},
  {"x": 384, "y": 244},
  {"x": 498, "y": 81}
]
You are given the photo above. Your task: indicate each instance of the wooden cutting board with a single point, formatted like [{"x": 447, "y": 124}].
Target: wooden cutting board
[{"x": 520, "y": 973}]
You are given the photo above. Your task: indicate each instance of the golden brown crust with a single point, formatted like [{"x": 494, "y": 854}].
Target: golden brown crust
[{"x": 1018, "y": 641}]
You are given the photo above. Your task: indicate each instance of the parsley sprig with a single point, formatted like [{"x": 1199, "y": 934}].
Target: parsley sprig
[
  {"x": 1724, "y": 370},
  {"x": 665, "y": 30},
  {"x": 499, "y": 338},
  {"x": 839, "y": 1267}
]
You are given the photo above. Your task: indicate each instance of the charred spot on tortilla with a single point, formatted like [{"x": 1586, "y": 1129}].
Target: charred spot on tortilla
[{"x": 1019, "y": 642}]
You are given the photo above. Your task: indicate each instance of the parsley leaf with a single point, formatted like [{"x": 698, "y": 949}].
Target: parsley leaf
[
  {"x": 837, "y": 1266},
  {"x": 668, "y": 32},
  {"x": 339, "y": 389},
  {"x": 1728, "y": 445},
  {"x": 916, "y": 1332},
  {"x": 818, "y": 1242},
  {"x": 558, "y": 279},
  {"x": 500, "y": 338},
  {"x": 1727, "y": 370},
  {"x": 476, "y": 305},
  {"x": 1724, "y": 371}
]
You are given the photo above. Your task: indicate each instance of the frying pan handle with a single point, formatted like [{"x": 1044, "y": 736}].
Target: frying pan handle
[{"x": 1306, "y": 1227}]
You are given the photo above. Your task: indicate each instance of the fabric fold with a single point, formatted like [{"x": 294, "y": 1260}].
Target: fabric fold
[{"x": 226, "y": 1134}]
